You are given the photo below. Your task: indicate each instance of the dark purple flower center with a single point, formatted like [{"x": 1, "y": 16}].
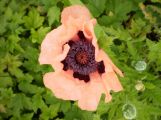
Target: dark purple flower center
[{"x": 81, "y": 59}]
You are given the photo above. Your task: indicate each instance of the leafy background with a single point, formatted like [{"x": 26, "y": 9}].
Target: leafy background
[{"x": 128, "y": 30}]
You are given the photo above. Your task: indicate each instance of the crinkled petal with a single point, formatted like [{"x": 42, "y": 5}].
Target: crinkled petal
[
  {"x": 105, "y": 87},
  {"x": 88, "y": 30},
  {"x": 112, "y": 81},
  {"x": 110, "y": 78},
  {"x": 76, "y": 12},
  {"x": 53, "y": 46},
  {"x": 91, "y": 93},
  {"x": 63, "y": 85},
  {"x": 102, "y": 55}
]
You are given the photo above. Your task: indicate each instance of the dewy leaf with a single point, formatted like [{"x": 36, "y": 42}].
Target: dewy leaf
[
  {"x": 140, "y": 65},
  {"x": 129, "y": 111},
  {"x": 33, "y": 20},
  {"x": 53, "y": 15}
]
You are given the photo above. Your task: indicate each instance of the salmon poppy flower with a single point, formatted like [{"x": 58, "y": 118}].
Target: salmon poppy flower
[{"x": 82, "y": 70}]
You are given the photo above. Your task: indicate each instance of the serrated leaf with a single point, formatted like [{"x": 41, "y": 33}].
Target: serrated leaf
[
  {"x": 131, "y": 49},
  {"x": 38, "y": 102},
  {"x": 37, "y": 36},
  {"x": 33, "y": 20},
  {"x": 50, "y": 112},
  {"x": 18, "y": 103},
  {"x": 29, "y": 88}
]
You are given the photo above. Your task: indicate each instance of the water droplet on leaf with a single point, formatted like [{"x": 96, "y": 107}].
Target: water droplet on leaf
[
  {"x": 140, "y": 66},
  {"x": 129, "y": 111}
]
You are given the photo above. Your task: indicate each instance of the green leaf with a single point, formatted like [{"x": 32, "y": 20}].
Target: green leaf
[
  {"x": 76, "y": 2},
  {"x": 26, "y": 87},
  {"x": 149, "y": 85},
  {"x": 131, "y": 49},
  {"x": 5, "y": 95},
  {"x": 53, "y": 15},
  {"x": 37, "y": 36},
  {"x": 27, "y": 116},
  {"x": 18, "y": 103},
  {"x": 12, "y": 63},
  {"x": 2, "y": 109},
  {"x": 96, "y": 7},
  {"x": 5, "y": 81},
  {"x": 137, "y": 27},
  {"x": 116, "y": 12},
  {"x": 65, "y": 106},
  {"x": 31, "y": 62},
  {"x": 33, "y": 20},
  {"x": 48, "y": 3},
  {"x": 78, "y": 114},
  {"x": 12, "y": 42},
  {"x": 50, "y": 112},
  {"x": 96, "y": 117},
  {"x": 38, "y": 102}
]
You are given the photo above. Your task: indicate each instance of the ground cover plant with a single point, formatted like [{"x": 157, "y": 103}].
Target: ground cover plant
[{"x": 128, "y": 30}]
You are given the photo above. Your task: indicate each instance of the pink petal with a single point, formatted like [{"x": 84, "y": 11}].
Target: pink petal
[
  {"x": 76, "y": 12},
  {"x": 109, "y": 77},
  {"x": 91, "y": 93},
  {"x": 102, "y": 55},
  {"x": 88, "y": 30},
  {"x": 63, "y": 85},
  {"x": 106, "y": 89},
  {"x": 52, "y": 46},
  {"x": 112, "y": 81}
]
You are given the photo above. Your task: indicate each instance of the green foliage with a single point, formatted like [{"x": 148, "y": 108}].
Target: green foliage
[
  {"x": 53, "y": 17},
  {"x": 128, "y": 30},
  {"x": 33, "y": 20}
]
